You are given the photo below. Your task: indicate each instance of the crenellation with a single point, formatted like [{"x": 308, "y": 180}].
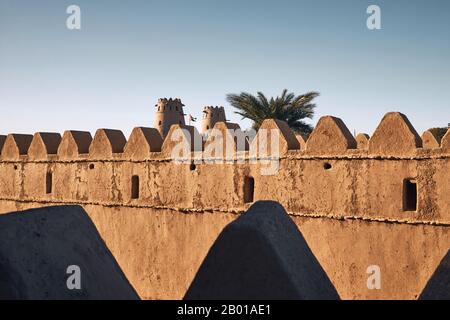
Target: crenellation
[
  {"x": 168, "y": 112},
  {"x": 445, "y": 142},
  {"x": 330, "y": 136},
  {"x": 225, "y": 141},
  {"x": 332, "y": 182},
  {"x": 73, "y": 144},
  {"x": 362, "y": 141},
  {"x": 265, "y": 140},
  {"x": 16, "y": 146},
  {"x": 302, "y": 141},
  {"x": 429, "y": 141},
  {"x": 2, "y": 142},
  {"x": 211, "y": 116},
  {"x": 142, "y": 143},
  {"x": 395, "y": 136},
  {"x": 182, "y": 140},
  {"x": 106, "y": 144},
  {"x": 43, "y": 145}
]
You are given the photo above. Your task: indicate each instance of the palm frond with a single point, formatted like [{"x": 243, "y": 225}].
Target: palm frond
[{"x": 287, "y": 107}]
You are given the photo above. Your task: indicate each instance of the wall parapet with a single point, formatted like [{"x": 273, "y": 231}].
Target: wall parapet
[
  {"x": 394, "y": 138},
  {"x": 328, "y": 175}
]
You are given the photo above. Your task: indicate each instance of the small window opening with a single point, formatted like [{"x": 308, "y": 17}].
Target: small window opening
[
  {"x": 48, "y": 182},
  {"x": 192, "y": 167},
  {"x": 91, "y": 166},
  {"x": 135, "y": 187},
  {"x": 409, "y": 195},
  {"x": 249, "y": 189},
  {"x": 159, "y": 123},
  {"x": 327, "y": 166}
]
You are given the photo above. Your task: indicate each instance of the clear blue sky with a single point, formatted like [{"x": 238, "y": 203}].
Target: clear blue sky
[{"x": 129, "y": 53}]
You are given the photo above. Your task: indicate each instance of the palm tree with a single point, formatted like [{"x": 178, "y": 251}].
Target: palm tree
[
  {"x": 287, "y": 107},
  {"x": 438, "y": 133}
]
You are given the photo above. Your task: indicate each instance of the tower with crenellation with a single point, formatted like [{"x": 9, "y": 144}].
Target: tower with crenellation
[
  {"x": 212, "y": 115},
  {"x": 168, "y": 112}
]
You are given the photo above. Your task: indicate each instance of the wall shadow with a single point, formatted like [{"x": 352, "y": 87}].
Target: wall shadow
[
  {"x": 438, "y": 286},
  {"x": 37, "y": 246},
  {"x": 261, "y": 255}
]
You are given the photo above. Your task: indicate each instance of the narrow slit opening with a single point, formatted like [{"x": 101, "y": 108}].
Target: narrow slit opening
[
  {"x": 409, "y": 195},
  {"x": 249, "y": 189},
  {"x": 48, "y": 182},
  {"x": 135, "y": 187}
]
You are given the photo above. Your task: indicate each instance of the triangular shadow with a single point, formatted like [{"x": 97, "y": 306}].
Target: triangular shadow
[
  {"x": 261, "y": 255},
  {"x": 37, "y": 246},
  {"x": 438, "y": 286}
]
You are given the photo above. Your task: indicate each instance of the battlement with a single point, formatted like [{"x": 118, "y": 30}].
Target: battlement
[
  {"x": 366, "y": 199},
  {"x": 169, "y": 102},
  {"x": 168, "y": 112},
  {"x": 395, "y": 137},
  {"x": 212, "y": 115},
  {"x": 210, "y": 111},
  {"x": 363, "y": 177}
]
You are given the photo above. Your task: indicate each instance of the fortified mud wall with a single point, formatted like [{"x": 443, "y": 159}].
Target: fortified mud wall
[{"x": 358, "y": 202}]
